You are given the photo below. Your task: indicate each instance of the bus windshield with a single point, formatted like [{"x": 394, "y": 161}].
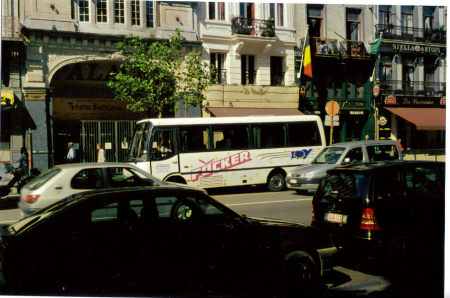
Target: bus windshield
[{"x": 138, "y": 150}]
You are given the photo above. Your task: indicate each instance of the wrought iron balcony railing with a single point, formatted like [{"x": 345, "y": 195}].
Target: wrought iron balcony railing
[
  {"x": 277, "y": 79},
  {"x": 419, "y": 88},
  {"x": 248, "y": 78},
  {"x": 219, "y": 76},
  {"x": 324, "y": 46},
  {"x": 354, "y": 48},
  {"x": 253, "y": 27},
  {"x": 412, "y": 34}
]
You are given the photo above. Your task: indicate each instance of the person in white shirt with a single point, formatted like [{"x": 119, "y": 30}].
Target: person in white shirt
[
  {"x": 71, "y": 154},
  {"x": 101, "y": 153}
]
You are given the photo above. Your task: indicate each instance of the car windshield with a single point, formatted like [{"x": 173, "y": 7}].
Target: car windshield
[
  {"x": 344, "y": 185},
  {"x": 329, "y": 155},
  {"x": 42, "y": 178}
]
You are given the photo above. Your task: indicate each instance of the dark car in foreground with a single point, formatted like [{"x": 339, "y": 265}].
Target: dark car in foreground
[
  {"x": 388, "y": 211},
  {"x": 157, "y": 241}
]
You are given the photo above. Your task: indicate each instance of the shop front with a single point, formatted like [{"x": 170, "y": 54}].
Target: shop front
[{"x": 85, "y": 113}]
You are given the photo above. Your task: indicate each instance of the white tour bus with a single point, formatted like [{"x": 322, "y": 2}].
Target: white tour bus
[{"x": 226, "y": 151}]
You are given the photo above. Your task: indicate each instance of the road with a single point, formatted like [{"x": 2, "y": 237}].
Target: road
[{"x": 341, "y": 281}]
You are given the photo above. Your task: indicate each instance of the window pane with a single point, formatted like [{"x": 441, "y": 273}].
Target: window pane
[
  {"x": 382, "y": 152},
  {"x": 163, "y": 144},
  {"x": 212, "y": 10},
  {"x": 194, "y": 138},
  {"x": 149, "y": 14},
  {"x": 84, "y": 10},
  {"x": 101, "y": 11},
  {"x": 304, "y": 134},
  {"x": 230, "y": 137},
  {"x": 105, "y": 213},
  {"x": 88, "y": 179},
  {"x": 164, "y": 206},
  {"x": 119, "y": 11},
  {"x": 135, "y": 12},
  {"x": 269, "y": 135}
]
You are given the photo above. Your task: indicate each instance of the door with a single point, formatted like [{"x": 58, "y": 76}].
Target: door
[{"x": 164, "y": 152}]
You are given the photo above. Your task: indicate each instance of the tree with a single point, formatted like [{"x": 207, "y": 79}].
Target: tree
[{"x": 156, "y": 75}]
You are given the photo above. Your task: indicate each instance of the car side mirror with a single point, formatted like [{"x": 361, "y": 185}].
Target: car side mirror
[{"x": 346, "y": 160}]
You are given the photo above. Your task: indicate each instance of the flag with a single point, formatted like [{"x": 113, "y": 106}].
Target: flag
[
  {"x": 307, "y": 67},
  {"x": 375, "y": 47}
]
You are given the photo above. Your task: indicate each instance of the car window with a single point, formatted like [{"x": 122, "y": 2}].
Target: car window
[
  {"x": 164, "y": 205},
  {"x": 382, "y": 152},
  {"x": 42, "y": 178},
  {"x": 388, "y": 185},
  {"x": 344, "y": 185},
  {"x": 88, "y": 179},
  {"x": 422, "y": 179},
  {"x": 354, "y": 155},
  {"x": 329, "y": 155},
  {"x": 105, "y": 213},
  {"x": 125, "y": 177}
]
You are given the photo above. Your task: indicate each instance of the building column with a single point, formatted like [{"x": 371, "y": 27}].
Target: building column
[{"x": 38, "y": 103}]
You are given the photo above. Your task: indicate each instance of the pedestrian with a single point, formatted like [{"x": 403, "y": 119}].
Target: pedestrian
[
  {"x": 100, "y": 153},
  {"x": 71, "y": 153},
  {"x": 399, "y": 142},
  {"x": 367, "y": 137},
  {"x": 23, "y": 161}
]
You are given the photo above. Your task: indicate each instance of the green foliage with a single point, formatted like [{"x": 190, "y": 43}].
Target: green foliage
[{"x": 156, "y": 75}]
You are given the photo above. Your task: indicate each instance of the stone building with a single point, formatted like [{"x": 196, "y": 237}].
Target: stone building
[
  {"x": 411, "y": 74},
  {"x": 342, "y": 66}
]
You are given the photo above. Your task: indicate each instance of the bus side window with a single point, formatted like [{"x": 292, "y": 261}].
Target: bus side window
[
  {"x": 163, "y": 144},
  {"x": 194, "y": 138},
  {"x": 269, "y": 135},
  {"x": 231, "y": 137},
  {"x": 304, "y": 134}
]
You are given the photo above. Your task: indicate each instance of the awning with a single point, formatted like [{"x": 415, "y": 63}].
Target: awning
[
  {"x": 237, "y": 112},
  {"x": 422, "y": 118}
]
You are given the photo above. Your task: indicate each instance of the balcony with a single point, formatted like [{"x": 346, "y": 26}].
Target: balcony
[
  {"x": 412, "y": 34},
  {"x": 219, "y": 76},
  {"x": 324, "y": 46},
  {"x": 354, "y": 48},
  {"x": 253, "y": 27},
  {"x": 415, "y": 88},
  {"x": 343, "y": 48}
]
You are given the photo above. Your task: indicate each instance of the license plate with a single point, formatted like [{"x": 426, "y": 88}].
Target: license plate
[{"x": 336, "y": 218}]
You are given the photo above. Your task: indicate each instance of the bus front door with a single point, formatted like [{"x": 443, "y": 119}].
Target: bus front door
[{"x": 164, "y": 153}]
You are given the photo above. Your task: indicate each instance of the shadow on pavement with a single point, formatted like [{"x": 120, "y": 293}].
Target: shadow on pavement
[{"x": 9, "y": 202}]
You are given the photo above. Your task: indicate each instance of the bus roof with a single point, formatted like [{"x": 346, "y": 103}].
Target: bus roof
[{"x": 227, "y": 120}]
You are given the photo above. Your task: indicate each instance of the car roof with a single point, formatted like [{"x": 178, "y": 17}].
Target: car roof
[
  {"x": 93, "y": 165},
  {"x": 364, "y": 142},
  {"x": 369, "y": 167}
]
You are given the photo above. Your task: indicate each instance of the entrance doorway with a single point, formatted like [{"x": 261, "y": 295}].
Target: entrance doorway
[{"x": 115, "y": 137}]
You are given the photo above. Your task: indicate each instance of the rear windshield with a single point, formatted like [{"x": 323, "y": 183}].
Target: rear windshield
[
  {"x": 382, "y": 152},
  {"x": 329, "y": 155},
  {"x": 42, "y": 178},
  {"x": 344, "y": 185}
]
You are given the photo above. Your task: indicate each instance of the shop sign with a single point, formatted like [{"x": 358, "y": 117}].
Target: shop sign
[
  {"x": 442, "y": 101},
  {"x": 390, "y": 100},
  {"x": 91, "y": 109},
  {"x": 7, "y": 98},
  {"x": 419, "y": 49},
  {"x": 382, "y": 120}
]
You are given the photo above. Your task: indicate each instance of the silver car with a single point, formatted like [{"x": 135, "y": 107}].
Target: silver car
[
  {"x": 68, "y": 179},
  {"x": 306, "y": 177}
]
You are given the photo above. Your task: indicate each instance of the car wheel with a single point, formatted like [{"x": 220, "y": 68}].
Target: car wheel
[
  {"x": 300, "y": 273},
  {"x": 276, "y": 182}
]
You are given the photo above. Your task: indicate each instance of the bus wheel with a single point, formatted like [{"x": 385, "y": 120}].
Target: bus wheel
[{"x": 276, "y": 182}]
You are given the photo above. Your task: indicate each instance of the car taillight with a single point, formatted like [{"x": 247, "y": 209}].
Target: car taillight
[
  {"x": 368, "y": 220},
  {"x": 30, "y": 199},
  {"x": 313, "y": 216}
]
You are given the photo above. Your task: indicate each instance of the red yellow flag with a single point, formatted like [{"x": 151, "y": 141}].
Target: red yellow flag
[{"x": 307, "y": 67}]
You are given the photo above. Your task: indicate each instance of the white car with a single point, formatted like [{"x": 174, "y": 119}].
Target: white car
[{"x": 64, "y": 180}]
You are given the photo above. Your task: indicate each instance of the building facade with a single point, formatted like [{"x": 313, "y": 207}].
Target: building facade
[
  {"x": 66, "y": 51},
  {"x": 411, "y": 74},
  {"x": 342, "y": 66}
]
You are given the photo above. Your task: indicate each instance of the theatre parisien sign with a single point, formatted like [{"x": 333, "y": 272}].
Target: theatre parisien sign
[{"x": 409, "y": 48}]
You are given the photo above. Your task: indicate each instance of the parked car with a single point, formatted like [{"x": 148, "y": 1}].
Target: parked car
[
  {"x": 158, "y": 241},
  {"x": 306, "y": 177},
  {"x": 67, "y": 179},
  {"x": 389, "y": 211}
]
